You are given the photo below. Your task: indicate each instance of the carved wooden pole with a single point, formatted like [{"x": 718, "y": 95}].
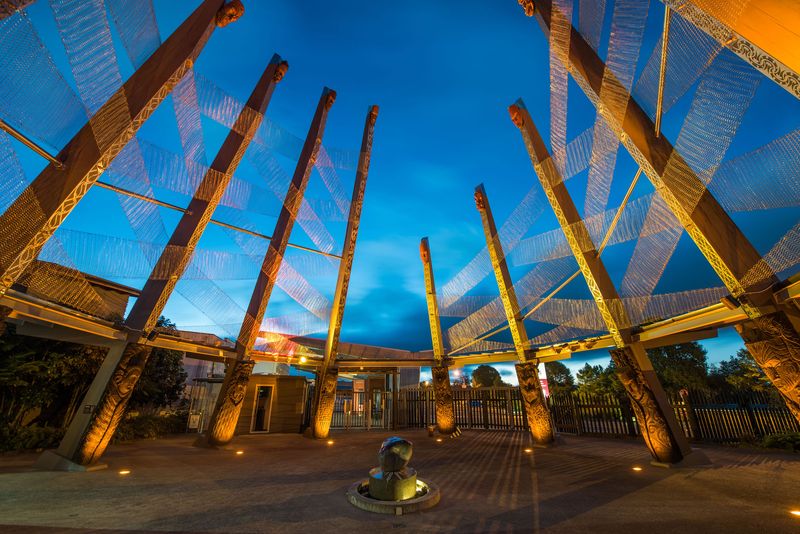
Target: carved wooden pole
[
  {"x": 530, "y": 387},
  {"x": 229, "y": 402},
  {"x": 660, "y": 428},
  {"x": 89, "y": 433},
  {"x": 36, "y": 214},
  {"x": 442, "y": 390},
  {"x": 772, "y": 334},
  {"x": 324, "y": 397},
  {"x": 9, "y": 7}
]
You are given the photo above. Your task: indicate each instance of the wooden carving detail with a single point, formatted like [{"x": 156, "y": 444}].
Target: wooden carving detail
[
  {"x": 230, "y": 12},
  {"x": 111, "y": 409},
  {"x": 654, "y": 427},
  {"x": 528, "y": 6},
  {"x": 229, "y": 402},
  {"x": 530, "y": 387},
  {"x": 443, "y": 397},
  {"x": 327, "y": 397},
  {"x": 775, "y": 346},
  {"x": 280, "y": 72}
]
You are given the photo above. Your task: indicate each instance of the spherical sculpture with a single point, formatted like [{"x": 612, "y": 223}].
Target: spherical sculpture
[
  {"x": 393, "y": 480},
  {"x": 394, "y": 454}
]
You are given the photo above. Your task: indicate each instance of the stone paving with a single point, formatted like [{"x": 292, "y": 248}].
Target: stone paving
[{"x": 489, "y": 483}]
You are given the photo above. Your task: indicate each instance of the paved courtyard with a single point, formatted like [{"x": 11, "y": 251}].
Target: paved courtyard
[{"x": 489, "y": 483}]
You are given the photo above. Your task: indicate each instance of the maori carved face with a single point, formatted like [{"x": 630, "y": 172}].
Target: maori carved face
[
  {"x": 516, "y": 115},
  {"x": 423, "y": 253},
  {"x": 238, "y": 387},
  {"x": 480, "y": 202},
  {"x": 127, "y": 374},
  {"x": 230, "y": 12},
  {"x": 331, "y": 99},
  {"x": 280, "y": 71},
  {"x": 373, "y": 115},
  {"x": 528, "y": 6}
]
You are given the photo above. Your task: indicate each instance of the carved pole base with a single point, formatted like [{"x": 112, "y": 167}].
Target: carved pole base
[
  {"x": 539, "y": 422},
  {"x": 775, "y": 346},
  {"x": 223, "y": 421},
  {"x": 111, "y": 408},
  {"x": 325, "y": 398},
  {"x": 443, "y": 398},
  {"x": 664, "y": 438}
]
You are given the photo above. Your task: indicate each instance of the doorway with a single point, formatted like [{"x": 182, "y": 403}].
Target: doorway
[{"x": 262, "y": 409}]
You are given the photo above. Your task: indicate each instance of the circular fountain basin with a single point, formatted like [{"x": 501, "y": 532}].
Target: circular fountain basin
[{"x": 426, "y": 496}]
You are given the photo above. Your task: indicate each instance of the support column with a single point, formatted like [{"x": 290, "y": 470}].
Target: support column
[
  {"x": 726, "y": 248},
  {"x": 539, "y": 420},
  {"x": 660, "y": 429},
  {"x": 41, "y": 208},
  {"x": 104, "y": 405},
  {"x": 774, "y": 344},
  {"x": 325, "y": 397},
  {"x": 440, "y": 374},
  {"x": 222, "y": 425},
  {"x": 323, "y": 411}
]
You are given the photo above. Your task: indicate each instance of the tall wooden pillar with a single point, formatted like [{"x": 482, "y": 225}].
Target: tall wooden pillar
[
  {"x": 226, "y": 411},
  {"x": 36, "y": 214},
  {"x": 660, "y": 428},
  {"x": 539, "y": 421},
  {"x": 323, "y": 406},
  {"x": 440, "y": 374},
  {"x": 727, "y": 249},
  {"x": 90, "y": 431}
]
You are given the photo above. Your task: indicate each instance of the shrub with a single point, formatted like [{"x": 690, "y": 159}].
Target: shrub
[
  {"x": 789, "y": 441},
  {"x": 16, "y": 438},
  {"x": 150, "y": 426}
]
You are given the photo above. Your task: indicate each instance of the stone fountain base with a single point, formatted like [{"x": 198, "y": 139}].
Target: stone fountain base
[{"x": 426, "y": 496}]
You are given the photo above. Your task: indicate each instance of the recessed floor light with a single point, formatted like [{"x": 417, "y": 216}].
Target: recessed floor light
[
  {"x": 528, "y": 450},
  {"x": 124, "y": 471},
  {"x": 795, "y": 513},
  {"x": 240, "y": 452},
  {"x": 637, "y": 468},
  {"x": 438, "y": 440},
  {"x": 330, "y": 442}
]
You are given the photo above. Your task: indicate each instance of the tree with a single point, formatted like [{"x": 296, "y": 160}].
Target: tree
[
  {"x": 739, "y": 372},
  {"x": 681, "y": 366},
  {"x": 163, "y": 379},
  {"x": 597, "y": 380},
  {"x": 486, "y": 376},
  {"x": 559, "y": 377}
]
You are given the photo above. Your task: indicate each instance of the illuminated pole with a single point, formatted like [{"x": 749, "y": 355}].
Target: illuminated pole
[
  {"x": 327, "y": 375},
  {"x": 91, "y": 430},
  {"x": 442, "y": 390},
  {"x": 530, "y": 386},
  {"x": 772, "y": 333},
  {"x": 660, "y": 429},
  {"x": 41, "y": 208},
  {"x": 229, "y": 401}
]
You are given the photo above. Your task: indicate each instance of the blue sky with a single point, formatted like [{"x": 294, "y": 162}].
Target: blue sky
[{"x": 443, "y": 74}]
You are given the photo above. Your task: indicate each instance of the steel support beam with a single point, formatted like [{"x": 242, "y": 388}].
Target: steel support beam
[
  {"x": 541, "y": 426},
  {"x": 726, "y": 248},
  {"x": 90, "y": 432},
  {"x": 226, "y": 411},
  {"x": 41, "y": 208},
  {"x": 322, "y": 409},
  {"x": 442, "y": 390}
]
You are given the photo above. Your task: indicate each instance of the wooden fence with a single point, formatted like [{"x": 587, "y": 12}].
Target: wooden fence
[{"x": 717, "y": 417}]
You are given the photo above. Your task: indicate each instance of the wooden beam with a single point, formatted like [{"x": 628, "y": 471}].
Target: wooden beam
[
  {"x": 268, "y": 275},
  {"x": 508, "y": 295},
  {"x": 350, "y": 237},
  {"x": 41, "y": 208},
  {"x": 726, "y": 248},
  {"x": 181, "y": 246},
  {"x": 430, "y": 297}
]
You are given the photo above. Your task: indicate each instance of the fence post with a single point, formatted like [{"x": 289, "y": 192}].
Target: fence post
[
  {"x": 576, "y": 412},
  {"x": 694, "y": 427},
  {"x": 369, "y": 412},
  {"x": 625, "y": 408}
]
